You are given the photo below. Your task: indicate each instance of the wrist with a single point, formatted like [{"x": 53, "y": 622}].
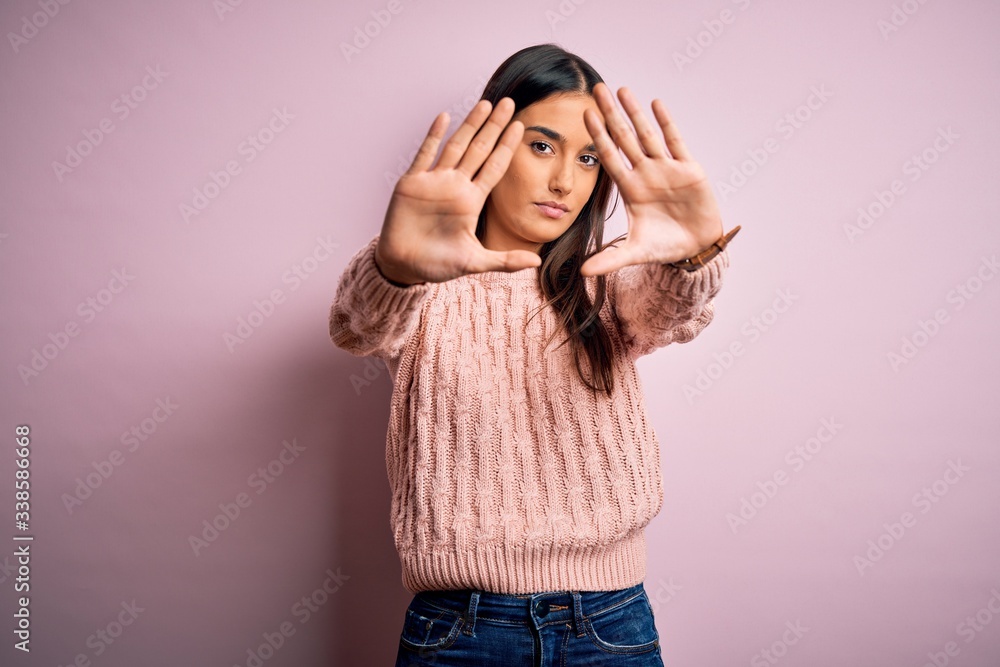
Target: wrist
[
  {"x": 390, "y": 277},
  {"x": 697, "y": 261}
]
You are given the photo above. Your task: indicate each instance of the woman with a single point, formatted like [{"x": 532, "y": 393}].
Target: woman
[{"x": 523, "y": 475}]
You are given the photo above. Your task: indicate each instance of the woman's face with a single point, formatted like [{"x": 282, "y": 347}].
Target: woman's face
[{"x": 555, "y": 162}]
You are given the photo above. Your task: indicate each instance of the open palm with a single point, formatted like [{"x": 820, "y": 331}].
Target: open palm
[
  {"x": 672, "y": 212},
  {"x": 428, "y": 234}
]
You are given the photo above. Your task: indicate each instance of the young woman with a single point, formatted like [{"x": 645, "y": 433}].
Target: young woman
[{"x": 523, "y": 474}]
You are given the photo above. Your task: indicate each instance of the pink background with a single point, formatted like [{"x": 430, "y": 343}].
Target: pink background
[{"x": 721, "y": 595}]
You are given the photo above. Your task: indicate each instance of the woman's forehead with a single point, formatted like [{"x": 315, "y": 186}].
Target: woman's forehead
[
  {"x": 562, "y": 115},
  {"x": 561, "y": 103}
]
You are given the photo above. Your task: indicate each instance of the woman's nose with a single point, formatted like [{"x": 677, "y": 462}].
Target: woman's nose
[{"x": 562, "y": 179}]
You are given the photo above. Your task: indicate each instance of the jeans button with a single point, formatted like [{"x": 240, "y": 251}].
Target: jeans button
[{"x": 542, "y": 608}]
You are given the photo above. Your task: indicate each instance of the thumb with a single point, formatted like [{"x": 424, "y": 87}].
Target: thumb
[
  {"x": 506, "y": 260},
  {"x": 606, "y": 261}
]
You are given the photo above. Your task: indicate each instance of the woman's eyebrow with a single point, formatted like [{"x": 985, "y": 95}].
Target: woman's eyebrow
[{"x": 552, "y": 134}]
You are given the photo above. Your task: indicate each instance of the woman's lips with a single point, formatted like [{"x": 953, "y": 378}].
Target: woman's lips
[{"x": 551, "y": 211}]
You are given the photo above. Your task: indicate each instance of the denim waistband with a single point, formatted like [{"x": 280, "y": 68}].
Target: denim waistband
[{"x": 537, "y": 609}]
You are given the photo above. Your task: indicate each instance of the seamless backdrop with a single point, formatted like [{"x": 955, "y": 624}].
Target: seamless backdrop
[{"x": 182, "y": 184}]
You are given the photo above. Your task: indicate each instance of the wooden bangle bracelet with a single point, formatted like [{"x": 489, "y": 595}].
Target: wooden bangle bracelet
[{"x": 699, "y": 260}]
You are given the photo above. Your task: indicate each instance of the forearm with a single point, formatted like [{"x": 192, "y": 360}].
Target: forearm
[
  {"x": 370, "y": 314},
  {"x": 658, "y": 304}
]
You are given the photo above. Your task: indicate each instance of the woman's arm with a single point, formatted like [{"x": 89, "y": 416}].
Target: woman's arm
[
  {"x": 371, "y": 315},
  {"x": 672, "y": 216},
  {"x": 656, "y": 304}
]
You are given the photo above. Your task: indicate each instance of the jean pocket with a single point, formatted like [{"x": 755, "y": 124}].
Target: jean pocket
[
  {"x": 625, "y": 629},
  {"x": 427, "y": 628}
]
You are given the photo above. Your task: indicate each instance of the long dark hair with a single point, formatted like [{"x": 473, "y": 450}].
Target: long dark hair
[{"x": 528, "y": 76}]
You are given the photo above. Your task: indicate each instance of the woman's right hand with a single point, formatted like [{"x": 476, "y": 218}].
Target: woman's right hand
[{"x": 429, "y": 232}]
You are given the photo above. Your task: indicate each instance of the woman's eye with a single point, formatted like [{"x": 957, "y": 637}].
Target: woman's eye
[{"x": 534, "y": 144}]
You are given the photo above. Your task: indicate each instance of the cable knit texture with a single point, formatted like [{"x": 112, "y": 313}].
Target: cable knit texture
[{"x": 507, "y": 473}]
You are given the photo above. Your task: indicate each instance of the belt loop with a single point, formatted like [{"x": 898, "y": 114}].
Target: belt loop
[
  {"x": 470, "y": 615},
  {"x": 578, "y": 612}
]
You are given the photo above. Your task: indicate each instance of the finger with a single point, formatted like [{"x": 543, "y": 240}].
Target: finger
[
  {"x": 607, "y": 149},
  {"x": 482, "y": 145},
  {"x": 428, "y": 149},
  {"x": 617, "y": 127},
  {"x": 670, "y": 132},
  {"x": 649, "y": 137},
  {"x": 608, "y": 260},
  {"x": 455, "y": 147},
  {"x": 496, "y": 165},
  {"x": 503, "y": 260}
]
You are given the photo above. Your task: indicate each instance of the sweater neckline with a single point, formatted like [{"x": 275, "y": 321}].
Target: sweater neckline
[{"x": 528, "y": 275}]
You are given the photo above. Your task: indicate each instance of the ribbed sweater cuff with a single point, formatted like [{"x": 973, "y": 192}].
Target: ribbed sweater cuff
[
  {"x": 693, "y": 285},
  {"x": 503, "y": 568}
]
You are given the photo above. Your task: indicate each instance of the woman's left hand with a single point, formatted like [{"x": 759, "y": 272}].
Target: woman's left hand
[{"x": 672, "y": 211}]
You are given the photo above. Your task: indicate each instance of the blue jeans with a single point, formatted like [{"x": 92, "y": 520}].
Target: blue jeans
[{"x": 549, "y": 629}]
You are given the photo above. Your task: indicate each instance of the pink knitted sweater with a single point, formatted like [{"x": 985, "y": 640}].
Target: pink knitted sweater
[{"x": 507, "y": 473}]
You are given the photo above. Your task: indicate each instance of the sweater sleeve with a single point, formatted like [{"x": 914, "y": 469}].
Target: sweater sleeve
[
  {"x": 371, "y": 316},
  {"x": 657, "y": 304}
]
